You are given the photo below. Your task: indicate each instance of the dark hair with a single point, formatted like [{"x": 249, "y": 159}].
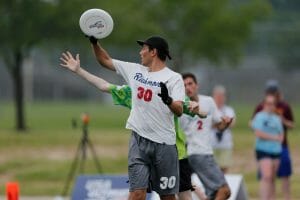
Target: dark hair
[
  {"x": 189, "y": 75},
  {"x": 159, "y": 43},
  {"x": 160, "y": 54}
]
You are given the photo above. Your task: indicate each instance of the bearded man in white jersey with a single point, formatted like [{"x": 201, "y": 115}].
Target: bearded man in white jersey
[
  {"x": 157, "y": 95},
  {"x": 199, "y": 146}
]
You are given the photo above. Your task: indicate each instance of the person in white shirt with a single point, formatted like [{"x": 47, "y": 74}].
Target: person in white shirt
[
  {"x": 199, "y": 147},
  {"x": 222, "y": 140},
  {"x": 157, "y": 95}
]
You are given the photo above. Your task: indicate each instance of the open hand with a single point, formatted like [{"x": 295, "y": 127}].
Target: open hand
[{"x": 69, "y": 62}]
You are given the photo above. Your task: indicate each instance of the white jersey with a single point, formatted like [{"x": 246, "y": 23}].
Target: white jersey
[
  {"x": 226, "y": 142},
  {"x": 149, "y": 116},
  {"x": 199, "y": 131}
]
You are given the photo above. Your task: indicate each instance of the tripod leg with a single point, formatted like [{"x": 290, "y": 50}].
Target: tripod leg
[
  {"x": 97, "y": 163},
  {"x": 72, "y": 170},
  {"x": 83, "y": 155}
]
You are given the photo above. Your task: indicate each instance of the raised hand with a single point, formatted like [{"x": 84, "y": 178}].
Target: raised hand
[
  {"x": 164, "y": 95},
  {"x": 69, "y": 62}
]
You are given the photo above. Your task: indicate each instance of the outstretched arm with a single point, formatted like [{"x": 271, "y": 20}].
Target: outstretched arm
[
  {"x": 101, "y": 55},
  {"x": 73, "y": 64}
]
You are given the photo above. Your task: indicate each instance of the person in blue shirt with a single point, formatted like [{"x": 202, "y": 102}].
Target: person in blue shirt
[{"x": 268, "y": 130}]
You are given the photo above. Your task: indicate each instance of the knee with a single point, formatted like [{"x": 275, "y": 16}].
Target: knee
[
  {"x": 137, "y": 195},
  {"x": 226, "y": 191},
  {"x": 267, "y": 178},
  {"x": 168, "y": 197},
  {"x": 223, "y": 193}
]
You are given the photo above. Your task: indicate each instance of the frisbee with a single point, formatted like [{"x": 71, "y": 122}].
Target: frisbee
[{"x": 96, "y": 22}]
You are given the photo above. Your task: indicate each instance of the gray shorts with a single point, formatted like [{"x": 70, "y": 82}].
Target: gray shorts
[
  {"x": 208, "y": 172},
  {"x": 152, "y": 163}
]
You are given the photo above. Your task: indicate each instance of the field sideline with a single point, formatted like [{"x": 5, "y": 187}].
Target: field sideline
[{"x": 40, "y": 158}]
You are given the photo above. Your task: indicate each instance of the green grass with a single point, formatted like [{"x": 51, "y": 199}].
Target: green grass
[
  {"x": 58, "y": 116},
  {"x": 40, "y": 158}
]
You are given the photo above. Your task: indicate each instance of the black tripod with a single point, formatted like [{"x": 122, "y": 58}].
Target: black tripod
[{"x": 81, "y": 155}]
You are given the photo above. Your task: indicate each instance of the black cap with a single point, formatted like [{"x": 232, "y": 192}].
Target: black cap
[
  {"x": 158, "y": 43},
  {"x": 272, "y": 87}
]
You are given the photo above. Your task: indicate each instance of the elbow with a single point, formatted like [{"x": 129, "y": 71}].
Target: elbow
[
  {"x": 101, "y": 61},
  {"x": 179, "y": 112},
  {"x": 104, "y": 89},
  {"x": 176, "y": 108},
  {"x": 106, "y": 63}
]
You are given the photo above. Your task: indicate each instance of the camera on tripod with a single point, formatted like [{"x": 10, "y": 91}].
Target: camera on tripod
[{"x": 81, "y": 153}]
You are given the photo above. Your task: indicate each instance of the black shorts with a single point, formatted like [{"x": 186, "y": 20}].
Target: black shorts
[
  {"x": 185, "y": 172},
  {"x": 262, "y": 155}
]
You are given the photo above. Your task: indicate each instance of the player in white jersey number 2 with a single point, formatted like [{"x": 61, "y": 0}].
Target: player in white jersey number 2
[
  {"x": 157, "y": 94},
  {"x": 199, "y": 146}
]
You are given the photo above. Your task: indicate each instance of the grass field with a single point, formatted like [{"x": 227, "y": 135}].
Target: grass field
[{"x": 41, "y": 157}]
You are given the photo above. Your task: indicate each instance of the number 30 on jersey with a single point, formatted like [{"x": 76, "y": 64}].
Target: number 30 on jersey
[{"x": 145, "y": 94}]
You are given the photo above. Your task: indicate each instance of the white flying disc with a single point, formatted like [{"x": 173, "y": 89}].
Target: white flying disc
[{"x": 96, "y": 22}]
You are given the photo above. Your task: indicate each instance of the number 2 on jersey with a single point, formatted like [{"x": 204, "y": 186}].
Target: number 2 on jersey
[
  {"x": 144, "y": 94},
  {"x": 200, "y": 124}
]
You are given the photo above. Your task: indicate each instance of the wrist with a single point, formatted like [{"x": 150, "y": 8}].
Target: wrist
[
  {"x": 93, "y": 40},
  {"x": 78, "y": 70},
  {"x": 168, "y": 101}
]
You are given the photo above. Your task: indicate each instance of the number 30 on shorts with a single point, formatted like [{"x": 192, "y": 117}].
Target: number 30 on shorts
[{"x": 166, "y": 182}]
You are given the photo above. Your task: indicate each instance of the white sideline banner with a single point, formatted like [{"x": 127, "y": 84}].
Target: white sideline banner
[{"x": 115, "y": 187}]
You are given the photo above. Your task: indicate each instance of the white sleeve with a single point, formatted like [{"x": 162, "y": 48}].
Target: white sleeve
[
  {"x": 216, "y": 114},
  {"x": 125, "y": 69},
  {"x": 177, "y": 91},
  {"x": 230, "y": 112}
]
